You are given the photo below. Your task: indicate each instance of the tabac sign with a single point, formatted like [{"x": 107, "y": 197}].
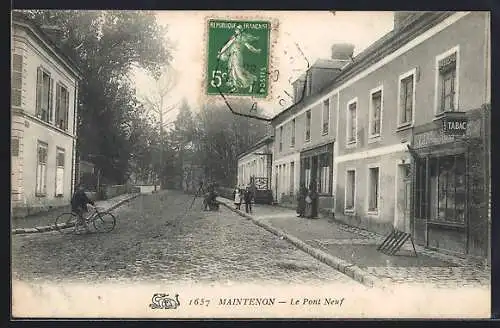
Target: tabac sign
[{"x": 455, "y": 126}]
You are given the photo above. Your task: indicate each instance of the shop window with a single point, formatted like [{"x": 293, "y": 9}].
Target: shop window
[
  {"x": 447, "y": 189},
  {"x": 307, "y": 176},
  {"x": 445, "y": 199},
  {"x": 350, "y": 191},
  {"x": 324, "y": 173}
]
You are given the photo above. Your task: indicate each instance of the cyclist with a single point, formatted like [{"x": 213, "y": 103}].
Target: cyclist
[{"x": 79, "y": 203}]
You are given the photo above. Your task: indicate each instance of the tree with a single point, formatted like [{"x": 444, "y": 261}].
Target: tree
[
  {"x": 221, "y": 137},
  {"x": 159, "y": 102},
  {"x": 106, "y": 44}
]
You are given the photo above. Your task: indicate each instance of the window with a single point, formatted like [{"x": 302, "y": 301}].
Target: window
[
  {"x": 308, "y": 125},
  {"x": 41, "y": 170},
  {"x": 292, "y": 178},
  {"x": 375, "y": 113},
  {"x": 14, "y": 147},
  {"x": 350, "y": 190},
  {"x": 292, "y": 141},
  {"x": 59, "y": 172},
  {"x": 406, "y": 99},
  {"x": 443, "y": 197},
  {"x": 17, "y": 80},
  {"x": 351, "y": 122},
  {"x": 281, "y": 139},
  {"x": 326, "y": 115},
  {"x": 62, "y": 107},
  {"x": 307, "y": 171},
  {"x": 447, "y": 83},
  {"x": 373, "y": 189},
  {"x": 447, "y": 189},
  {"x": 44, "y": 87},
  {"x": 324, "y": 173}
]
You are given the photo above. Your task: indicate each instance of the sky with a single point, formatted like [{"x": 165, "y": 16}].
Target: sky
[{"x": 313, "y": 31}]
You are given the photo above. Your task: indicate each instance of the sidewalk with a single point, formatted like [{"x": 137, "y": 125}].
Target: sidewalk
[
  {"x": 43, "y": 221},
  {"x": 354, "y": 251}
]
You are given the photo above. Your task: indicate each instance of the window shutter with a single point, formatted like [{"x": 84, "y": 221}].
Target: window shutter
[
  {"x": 51, "y": 100},
  {"x": 39, "y": 88},
  {"x": 58, "y": 106},
  {"x": 66, "y": 111}
]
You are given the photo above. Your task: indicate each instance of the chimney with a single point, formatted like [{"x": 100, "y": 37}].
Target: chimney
[
  {"x": 342, "y": 51},
  {"x": 400, "y": 17}
]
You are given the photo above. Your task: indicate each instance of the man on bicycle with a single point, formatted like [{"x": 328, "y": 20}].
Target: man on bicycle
[{"x": 79, "y": 203}]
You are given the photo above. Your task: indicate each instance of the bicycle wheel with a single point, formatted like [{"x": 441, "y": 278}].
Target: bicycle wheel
[
  {"x": 65, "y": 223},
  {"x": 104, "y": 222}
]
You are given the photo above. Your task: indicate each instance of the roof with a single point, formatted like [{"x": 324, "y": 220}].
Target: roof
[
  {"x": 22, "y": 20},
  {"x": 264, "y": 141},
  {"x": 328, "y": 63},
  {"x": 392, "y": 40},
  {"x": 322, "y": 64}
]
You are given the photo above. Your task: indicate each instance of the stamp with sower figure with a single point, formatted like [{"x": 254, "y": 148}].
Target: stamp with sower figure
[{"x": 238, "y": 57}]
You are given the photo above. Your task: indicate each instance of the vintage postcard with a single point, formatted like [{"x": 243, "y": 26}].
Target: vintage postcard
[{"x": 250, "y": 164}]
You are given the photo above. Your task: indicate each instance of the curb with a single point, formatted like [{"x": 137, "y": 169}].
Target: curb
[
  {"x": 349, "y": 269},
  {"x": 52, "y": 227}
]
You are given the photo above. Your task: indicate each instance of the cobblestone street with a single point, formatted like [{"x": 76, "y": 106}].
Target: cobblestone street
[{"x": 155, "y": 241}]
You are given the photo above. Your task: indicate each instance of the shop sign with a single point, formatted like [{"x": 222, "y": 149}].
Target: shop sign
[{"x": 455, "y": 126}]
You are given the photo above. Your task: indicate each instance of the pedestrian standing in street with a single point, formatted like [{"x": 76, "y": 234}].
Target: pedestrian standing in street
[
  {"x": 248, "y": 199},
  {"x": 301, "y": 201},
  {"x": 308, "y": 202},
  {"x": 314, "y": 200},
  {"x": 237, "y": 198}
]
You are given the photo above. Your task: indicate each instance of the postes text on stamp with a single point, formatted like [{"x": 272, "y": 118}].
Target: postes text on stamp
[{"x": 238, "y": 58}]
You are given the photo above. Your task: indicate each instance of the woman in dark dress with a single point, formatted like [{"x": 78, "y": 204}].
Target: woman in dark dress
[
  {"x": 301, "y": 201},
  {"x": 314, "y": 200}
]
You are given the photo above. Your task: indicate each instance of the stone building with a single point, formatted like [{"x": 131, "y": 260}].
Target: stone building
[
  {"x": 399, "y": 137},
  {"x": 44, "y": 94}
]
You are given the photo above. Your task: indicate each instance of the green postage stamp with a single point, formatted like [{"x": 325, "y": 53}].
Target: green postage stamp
[{"x": 238, "y": 58}]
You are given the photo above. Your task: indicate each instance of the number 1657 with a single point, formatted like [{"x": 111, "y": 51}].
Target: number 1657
[{"x": 199, "y": 301}]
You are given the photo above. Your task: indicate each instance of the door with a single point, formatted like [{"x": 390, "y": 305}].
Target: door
[{"x": 407, "y": 185}]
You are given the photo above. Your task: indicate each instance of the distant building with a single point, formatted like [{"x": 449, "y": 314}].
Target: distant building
[
  {"x": 44, "y": 93},
  {"x": 255, "y": 166}
]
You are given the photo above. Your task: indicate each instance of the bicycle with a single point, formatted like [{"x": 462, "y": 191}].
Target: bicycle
[{"x": 68, "y": 222}]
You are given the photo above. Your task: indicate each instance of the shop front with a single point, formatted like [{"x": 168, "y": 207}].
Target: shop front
[
  {"x": 451, "y": 185},
  {"x": 316, "y": 167}
]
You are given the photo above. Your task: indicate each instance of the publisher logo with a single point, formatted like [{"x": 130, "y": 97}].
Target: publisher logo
[{"x": 164, "y": 302}]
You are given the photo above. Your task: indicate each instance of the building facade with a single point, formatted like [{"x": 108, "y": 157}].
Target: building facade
[
  {"x": 373, "y": 141},
  {"x": 255, "y": 164},
  {"x": 305, "y": 136},
  {"x": 44, "y": 93}
]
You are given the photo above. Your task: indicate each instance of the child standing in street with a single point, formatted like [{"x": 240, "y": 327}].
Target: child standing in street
[{"x": 237, "y": 198}]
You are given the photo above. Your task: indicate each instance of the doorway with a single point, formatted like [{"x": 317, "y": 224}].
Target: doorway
[{"x": 402, "y": 215}]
